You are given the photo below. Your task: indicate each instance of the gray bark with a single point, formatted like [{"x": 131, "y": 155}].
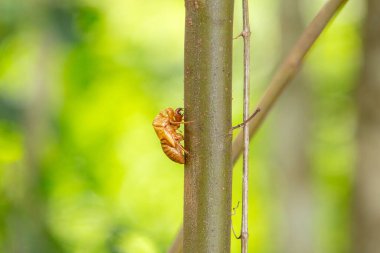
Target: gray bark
[
  {"x": 208, "y": 138},
  {"x": 367, "y": 180},
  {"x": 292, "y": 142}
]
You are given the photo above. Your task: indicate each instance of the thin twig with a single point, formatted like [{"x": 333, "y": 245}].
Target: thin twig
[
  {"x": 284, "y": 74},
  {"x": 247, "y": 120},
  {"x": 232, "y": 225},
  {"x": 247, "y": 58},
  {"x": 288, "y": 69},
  {"x": 234, "y": 209}
]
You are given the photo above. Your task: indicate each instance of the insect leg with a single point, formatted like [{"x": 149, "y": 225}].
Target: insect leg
[
  {"x": 183, "y": 149},
  {"x": 178, "y": 136},
  {"x": 180, "y": 122}
]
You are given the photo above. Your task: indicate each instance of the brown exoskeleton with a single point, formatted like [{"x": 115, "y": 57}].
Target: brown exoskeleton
[{"x": 166, "y": 125}]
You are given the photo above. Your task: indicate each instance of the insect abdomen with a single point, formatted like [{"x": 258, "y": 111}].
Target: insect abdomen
[{"x": 174, "y": 153}]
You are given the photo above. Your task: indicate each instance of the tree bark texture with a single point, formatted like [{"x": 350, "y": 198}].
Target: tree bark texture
[
  {"x": 208, "y": 167},
  {"x": 284, "y": 74},
  {"x": 367, "y": 188}
]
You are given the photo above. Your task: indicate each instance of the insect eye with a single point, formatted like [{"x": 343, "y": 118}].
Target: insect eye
[{"x": 179, "y": 111}]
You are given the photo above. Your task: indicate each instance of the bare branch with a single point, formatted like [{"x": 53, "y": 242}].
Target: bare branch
[
  {"x": 247, "y": 61},
  {"x": 247, "y": 120},
  {"x": 208, "y": 85},
  {"x": 284, "y": 75},
  {"x": 288, "y": 70}
]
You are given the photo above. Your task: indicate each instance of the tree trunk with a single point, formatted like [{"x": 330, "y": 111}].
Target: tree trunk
[
  {"x": 208, "y": 172},
  {"x": 367, "y": 187},
  {"x": 26, "y": 228},
  {"x": 295, "y": 229}
]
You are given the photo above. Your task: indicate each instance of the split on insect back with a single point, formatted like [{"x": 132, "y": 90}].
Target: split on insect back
[{"x": 166, "y": 124}]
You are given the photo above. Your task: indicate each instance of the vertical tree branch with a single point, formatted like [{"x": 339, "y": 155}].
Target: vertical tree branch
[
  {"x": 247, "y": 55},
  {"x": 208, "y": 170},
  {"x": 366, "y": 219},
  {"x": 282, "y": 77},
  {"x": 292, "y": 131},
  {"x": 25, "y": 227},
  {"x": 288, "y": 69}
]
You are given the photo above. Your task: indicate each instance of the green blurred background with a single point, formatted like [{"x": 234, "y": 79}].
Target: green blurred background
[{"x": 81, "y": 169}]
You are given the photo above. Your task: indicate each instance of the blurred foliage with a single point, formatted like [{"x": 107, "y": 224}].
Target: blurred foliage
[{"x": 81, "y": 169}]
